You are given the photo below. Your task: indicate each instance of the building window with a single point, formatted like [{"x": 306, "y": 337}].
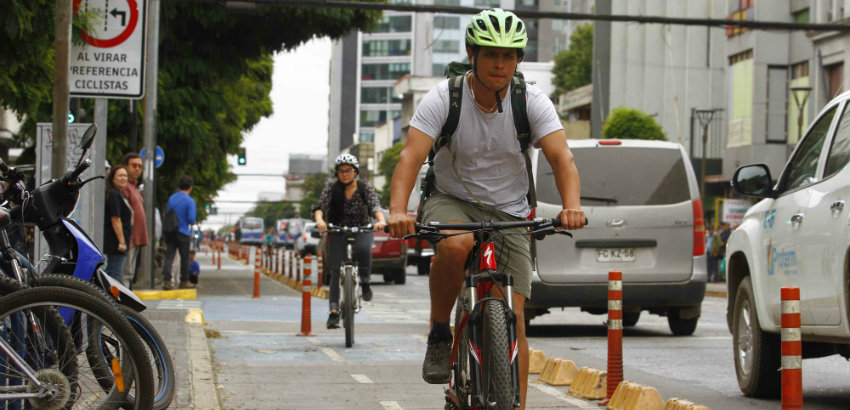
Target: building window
[
  {"x": 528, "y": 3},
  {"x": 384, "y": 48},
  {"x": 737, "y": 58},
  {"x": 366, "y": 137},
  {"x": 802, "y": 16},
  {"x": 389, "y": 71},
  {"x": 377, "y": 95},
  {"x": 800, "y": 70},
  {"x": 394, "y": 24},
  {"x": 487, "y": 4},
  {"x": 446, "y": 46},
  {"x": 446, "y": 23},
  {"x": 835, "y": 78},
  {"x": 372, "y": 118}
]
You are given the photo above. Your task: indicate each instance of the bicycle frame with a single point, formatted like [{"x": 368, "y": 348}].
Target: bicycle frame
[{"x": 478, "y": 291}]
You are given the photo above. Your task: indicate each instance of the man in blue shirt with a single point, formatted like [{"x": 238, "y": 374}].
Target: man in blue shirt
[{"x": 184, "y": 207}]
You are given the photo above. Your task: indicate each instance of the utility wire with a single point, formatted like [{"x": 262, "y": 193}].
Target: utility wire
[{"x": 533, "y": 14}]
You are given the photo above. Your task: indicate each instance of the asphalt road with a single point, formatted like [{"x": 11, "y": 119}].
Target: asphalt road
[{"x": 261, "y": 362}]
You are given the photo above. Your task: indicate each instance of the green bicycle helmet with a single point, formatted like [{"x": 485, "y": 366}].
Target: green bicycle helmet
[{"x": 496, "y": 28}]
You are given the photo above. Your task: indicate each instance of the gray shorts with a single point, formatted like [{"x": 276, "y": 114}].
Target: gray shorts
[{"x": 513, "y": 253}]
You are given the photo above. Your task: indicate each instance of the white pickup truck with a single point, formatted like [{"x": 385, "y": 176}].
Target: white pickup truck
[{"x": 797, "y": 235}]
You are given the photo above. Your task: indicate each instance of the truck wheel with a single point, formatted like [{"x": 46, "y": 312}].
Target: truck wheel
[
  {"x": 757, "y": 358},
  {"x": 679, "y": 326},
  {"x": 630, "y": 318},
  {"x": 423, "y": 267},
  {"x": 400, "y": 277}
]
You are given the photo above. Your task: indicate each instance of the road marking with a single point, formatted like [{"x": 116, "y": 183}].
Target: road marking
[
  {"x": 362, "y": 378},
  {"x": 326, "y": 350},
  {"x": 391, "y": 405},
  {"x": 563, "y": 396}
]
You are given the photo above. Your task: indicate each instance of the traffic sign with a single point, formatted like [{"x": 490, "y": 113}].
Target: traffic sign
[
  {"x": 158, "y": 159},
  {"x": 110, "y": 62}
]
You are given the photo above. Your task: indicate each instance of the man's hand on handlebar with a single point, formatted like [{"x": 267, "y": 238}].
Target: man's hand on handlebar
[
  {"x": 572, "y": 219},
  {"x": 401, "y": 224}
]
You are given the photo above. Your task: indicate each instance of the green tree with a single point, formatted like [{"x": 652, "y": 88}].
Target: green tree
[
  {"x": 574, "y": 66},
  {"x": 312, "y": 186},
  {"x": 214, "y": 80},
  {"x": 272, "y": 211},
  {"x": 628, "y": 123},
  {"x": 387, "y": 167}
]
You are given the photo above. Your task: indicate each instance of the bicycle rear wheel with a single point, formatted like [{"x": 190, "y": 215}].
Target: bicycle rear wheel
[
  {"x": 498, "y": 390},
  {"x": 130, "y": 372},
  {"x": 348, "y": 305}
]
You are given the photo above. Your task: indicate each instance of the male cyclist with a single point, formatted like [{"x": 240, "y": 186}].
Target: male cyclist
[
  {"x": 348, "y": 202},
  {"x": 481, "y": 175}
]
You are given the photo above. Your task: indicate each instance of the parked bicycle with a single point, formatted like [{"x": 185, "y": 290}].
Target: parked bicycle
[
  {"x": 484, "y": 362},
  {"x": 350, "y": 299},
  {"x": 75, "y": 262}
]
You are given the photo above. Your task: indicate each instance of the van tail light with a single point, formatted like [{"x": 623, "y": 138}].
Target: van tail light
[{"x": 699, "y": 228}]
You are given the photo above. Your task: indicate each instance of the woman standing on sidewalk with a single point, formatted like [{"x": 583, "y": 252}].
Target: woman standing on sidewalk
[{"x": 118, "y": 222}]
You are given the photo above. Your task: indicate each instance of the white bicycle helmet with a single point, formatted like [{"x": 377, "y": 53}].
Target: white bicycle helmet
[{"x": 347, "y": 159}]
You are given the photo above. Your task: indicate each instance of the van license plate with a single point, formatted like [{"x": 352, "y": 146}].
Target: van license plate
[{"x": 615, "y": 254}]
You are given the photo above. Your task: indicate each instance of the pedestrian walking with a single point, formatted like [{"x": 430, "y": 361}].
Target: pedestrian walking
[
  {"x": 133, "y": 162},
  {"x": 710, "y": 260},
  {"x": 179, "y": 216},
  {"x": 118, "y": 222},
  {"x": 718, "y": 250}
]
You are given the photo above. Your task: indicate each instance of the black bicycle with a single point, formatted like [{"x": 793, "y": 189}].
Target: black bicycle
[
  {"x": 485, "y": 370},
  {"x": 349, "y": 284}
]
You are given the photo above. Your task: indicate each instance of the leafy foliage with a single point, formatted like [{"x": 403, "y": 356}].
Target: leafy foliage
[
  {"x": 313, "y": 186},
  {"x": 574, "y": 66},
  {"x": 215, "y": 68},
  {"x": 627, "y": 123},
  {"x": 387, "y": 167}
]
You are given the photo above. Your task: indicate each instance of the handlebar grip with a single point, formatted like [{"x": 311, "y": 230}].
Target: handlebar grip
[
  {"x": 557, "y": 222},
  {"x": 79, "y": 170}
]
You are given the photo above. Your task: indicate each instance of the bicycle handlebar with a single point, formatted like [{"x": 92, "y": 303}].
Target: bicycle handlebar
[{"x": 349, "y": 229}]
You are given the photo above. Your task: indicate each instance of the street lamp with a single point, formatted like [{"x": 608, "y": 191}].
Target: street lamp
[
  {"x": 801, "y": 94},
  {"x": 704, "y": 116}
]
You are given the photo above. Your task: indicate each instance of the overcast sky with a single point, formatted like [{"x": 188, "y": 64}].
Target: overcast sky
[{"x": 299, "y": 124}]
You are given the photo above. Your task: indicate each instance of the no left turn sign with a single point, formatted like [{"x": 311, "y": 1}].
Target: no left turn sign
[{"x": 110, "y": 64}]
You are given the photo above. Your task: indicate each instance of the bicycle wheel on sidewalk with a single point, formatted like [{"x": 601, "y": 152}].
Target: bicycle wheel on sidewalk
[{"x": 130, "y": 371}]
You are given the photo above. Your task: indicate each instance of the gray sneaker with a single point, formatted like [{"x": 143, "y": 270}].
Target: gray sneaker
[{"x": 437, "y": 367}]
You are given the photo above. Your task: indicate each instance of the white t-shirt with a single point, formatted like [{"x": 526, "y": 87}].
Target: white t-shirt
[{"x": 484, "y": 163}]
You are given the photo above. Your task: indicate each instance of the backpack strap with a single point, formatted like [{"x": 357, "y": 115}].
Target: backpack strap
[
  {"x": 523, "y": 131},
  {"x": 449, "y": 127}
]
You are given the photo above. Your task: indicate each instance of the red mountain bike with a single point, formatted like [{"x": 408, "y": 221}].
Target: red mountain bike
[{"x": 485, "y": 371}]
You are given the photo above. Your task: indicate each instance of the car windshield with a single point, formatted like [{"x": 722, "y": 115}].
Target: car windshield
[{"x": 618, "y": 176}]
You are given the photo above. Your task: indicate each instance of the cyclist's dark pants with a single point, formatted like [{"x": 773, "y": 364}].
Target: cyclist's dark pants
[{"x": 336, "y": 254}]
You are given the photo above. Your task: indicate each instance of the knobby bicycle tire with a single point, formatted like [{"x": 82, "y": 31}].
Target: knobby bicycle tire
[
  {"x": 138, "y": 366},
  {"x": 348, "y": 305},
  {"x": 498, "y": 391},
  {"x": 163, "y": 367}
]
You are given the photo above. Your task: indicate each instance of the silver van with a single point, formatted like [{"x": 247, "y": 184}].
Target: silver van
[{"x": 645, "y": 219}]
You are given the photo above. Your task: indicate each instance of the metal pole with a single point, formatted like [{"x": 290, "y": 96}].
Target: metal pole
[
  {"x": 702, "y": 166},
  {"x": 61, "y": 92},
  {"x": 95, "y": 192},
  {"x": 151, "y": 67}
]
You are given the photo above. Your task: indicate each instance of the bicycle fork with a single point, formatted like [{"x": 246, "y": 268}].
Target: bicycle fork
[{"x": 476, "y": 297}]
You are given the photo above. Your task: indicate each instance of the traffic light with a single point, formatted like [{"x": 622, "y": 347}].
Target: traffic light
[{"x": 242, "y": 160}]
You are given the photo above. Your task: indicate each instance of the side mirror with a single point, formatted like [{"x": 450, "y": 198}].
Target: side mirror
[
  {"x": 88, "y": 136},
  {"x": 754, "y": 180}
]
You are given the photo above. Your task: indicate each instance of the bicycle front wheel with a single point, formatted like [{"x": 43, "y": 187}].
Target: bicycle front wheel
[
  {"x": 348, "y": 304},
  {"x": 498, "y": 390},
  {"x": 131, "y": 371}
]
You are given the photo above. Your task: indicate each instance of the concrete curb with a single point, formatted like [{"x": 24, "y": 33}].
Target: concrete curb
[
  {"x": 590, "y": 384},
  {"x": 204, "y": 393}
]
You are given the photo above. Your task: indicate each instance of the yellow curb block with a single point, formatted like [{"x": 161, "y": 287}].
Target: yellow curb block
[
  {"x": 682, "y": 404},
  {"x": 590, "y": 384},
  {"x": 536, "y": 361},
  {"x": 560, "y": 373},
  {"x": 632, "y": 396},
  {"x": 188, "y": 294},
  {"x": 195, "y": 315}
]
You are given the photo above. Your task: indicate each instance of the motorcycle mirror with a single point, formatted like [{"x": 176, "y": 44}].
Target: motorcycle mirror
[{"x": 88, "y": 139}]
